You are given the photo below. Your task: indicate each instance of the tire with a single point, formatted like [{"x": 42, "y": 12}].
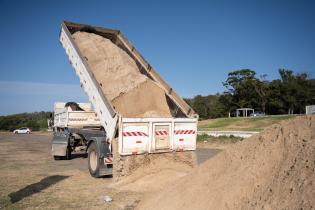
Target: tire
[
  {"x": 57, "y": 157},
  {"x": 68, "y": 153},
  {"x": 16, "y": 132},
  {"x": 93, "y": 160}
]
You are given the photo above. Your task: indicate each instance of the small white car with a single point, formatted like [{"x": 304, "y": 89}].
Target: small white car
[
  {"x": 257, "y": 114},
  {"x": 22, "y": 130}
]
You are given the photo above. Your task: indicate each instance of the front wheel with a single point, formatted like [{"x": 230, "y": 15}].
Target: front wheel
[{"x": 93, "y": 160}]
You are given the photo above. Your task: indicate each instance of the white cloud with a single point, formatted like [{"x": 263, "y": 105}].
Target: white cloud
[{"x": 19, "y": 97}]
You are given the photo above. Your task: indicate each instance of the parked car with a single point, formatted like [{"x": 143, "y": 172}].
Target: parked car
[
  {"x": 257, "y": 114},
  {"x": 22, "y": 130}
]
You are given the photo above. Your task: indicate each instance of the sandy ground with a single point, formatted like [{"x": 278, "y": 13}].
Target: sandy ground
[
  {"x": 272, "y": 170},
  {"x": 31, "y": 179}
]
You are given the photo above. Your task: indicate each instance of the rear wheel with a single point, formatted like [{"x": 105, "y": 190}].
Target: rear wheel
[
  {"x": 93, "y": 160},
  {"x": 68, "y": 153},
  {"x": 57, "y": 157}
]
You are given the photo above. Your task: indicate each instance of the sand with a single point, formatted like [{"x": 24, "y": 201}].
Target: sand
[
  {"x": 146, "y": 100},
  {"x": 132, "y": 94},
  {"x": 273, "y": 170},
  {"x": 132, "y": 168},
  {"x": 153, "y": 172}
]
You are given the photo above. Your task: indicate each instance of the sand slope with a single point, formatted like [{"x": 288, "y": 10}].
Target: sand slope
[
  {"x": 273, "y": 170},
  {"x": 132, "y": 94}
]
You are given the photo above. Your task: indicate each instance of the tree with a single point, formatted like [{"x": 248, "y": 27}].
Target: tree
[
  {"x": 243, "y": 86},
  {"x": 200, "y": 106},
  {"x": 289, "y": 94}
]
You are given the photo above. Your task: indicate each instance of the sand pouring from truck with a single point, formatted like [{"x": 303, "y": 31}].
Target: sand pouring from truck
[{"x": 134, "y": 108}]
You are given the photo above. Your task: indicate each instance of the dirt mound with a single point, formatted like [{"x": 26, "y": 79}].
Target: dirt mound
[
  {"x": 132, "y": 93},
  {"x": 153, "y": 172},
  {"x": 273, "y": 170},
  {"x": 146, "y": 100}
]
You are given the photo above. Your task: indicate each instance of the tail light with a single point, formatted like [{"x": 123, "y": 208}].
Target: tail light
[{"x": 108, "y": 159}]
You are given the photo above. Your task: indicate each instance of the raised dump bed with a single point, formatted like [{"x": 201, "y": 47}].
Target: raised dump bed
[{"x": 134, "y": 104}]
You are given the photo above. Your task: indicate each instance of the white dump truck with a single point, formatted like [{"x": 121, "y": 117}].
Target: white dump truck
[{"x": 97, "y": 129}]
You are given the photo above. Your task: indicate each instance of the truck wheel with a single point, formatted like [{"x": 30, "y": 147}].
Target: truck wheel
[
  {"x": 57, "y": 157},
  {"x": 68, "y": 153},
  {"x": 93, "y": 160}
]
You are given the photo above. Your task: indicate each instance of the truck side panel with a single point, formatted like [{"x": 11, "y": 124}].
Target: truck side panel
[{"x": 185, "y": 135}]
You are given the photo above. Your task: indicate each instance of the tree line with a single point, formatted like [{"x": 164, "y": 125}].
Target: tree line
[
  {"x": 287, "y": 95},
  {"x": 35, "y": 120}
]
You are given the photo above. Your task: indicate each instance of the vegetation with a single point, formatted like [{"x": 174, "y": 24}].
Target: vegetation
[
  {"x": 220, "y": 139},
  {"x": 241, "y": 123},
  {"x": 287, "y": 95},
  {"x": 36, "y": 121}
]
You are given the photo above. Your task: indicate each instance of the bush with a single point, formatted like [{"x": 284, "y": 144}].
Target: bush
[
  {"x": 35, "y": 120},
  {"x": 34, "y": 125}
]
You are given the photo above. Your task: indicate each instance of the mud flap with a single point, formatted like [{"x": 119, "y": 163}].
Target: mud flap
[{"x": 59, "y": 145}]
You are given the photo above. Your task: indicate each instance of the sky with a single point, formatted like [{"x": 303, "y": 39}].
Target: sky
[{"x": 192, "y": 44}]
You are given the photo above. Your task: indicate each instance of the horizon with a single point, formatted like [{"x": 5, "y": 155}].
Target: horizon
[{"x": 211, "y": 39}]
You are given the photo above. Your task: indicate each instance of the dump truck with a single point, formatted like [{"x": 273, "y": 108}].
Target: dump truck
[{"x": 114, "y": 120}]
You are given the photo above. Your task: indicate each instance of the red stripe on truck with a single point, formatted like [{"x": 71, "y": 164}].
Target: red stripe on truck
[
  {"x": 184, "y": 132},
  {"x": 160, "y": 133},
  {"x": 137, "y": 133}
]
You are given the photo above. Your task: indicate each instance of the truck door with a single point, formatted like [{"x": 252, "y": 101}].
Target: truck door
[{"x": 162, "y": 136}]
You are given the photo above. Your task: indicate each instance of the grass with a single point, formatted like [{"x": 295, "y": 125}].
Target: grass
[
  {"x": 240, "y": 123},
  {"x": 220, "y": 139}
]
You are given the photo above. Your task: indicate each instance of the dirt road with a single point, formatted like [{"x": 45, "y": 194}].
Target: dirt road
[{"x": 30, "y": 178}]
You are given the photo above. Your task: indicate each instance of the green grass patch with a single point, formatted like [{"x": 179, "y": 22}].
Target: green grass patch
[
  {"x": 241, "y": 123},
  {"x": 220, "y": 139}
]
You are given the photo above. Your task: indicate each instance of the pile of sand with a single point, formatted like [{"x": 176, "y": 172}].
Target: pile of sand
[
  {"x": 132, "y": 94},
  {"x": 274, "y": 170},
  {"x": 153, "y": 172}
]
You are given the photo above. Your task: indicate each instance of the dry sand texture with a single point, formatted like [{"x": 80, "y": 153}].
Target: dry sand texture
[
  {"x": 151, "y": 173},
  {"x": 273, "y": 170},
  {"x": 132, "y": 94}
]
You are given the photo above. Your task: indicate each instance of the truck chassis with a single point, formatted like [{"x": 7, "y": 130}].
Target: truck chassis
[{"x": 91, "y": 140}]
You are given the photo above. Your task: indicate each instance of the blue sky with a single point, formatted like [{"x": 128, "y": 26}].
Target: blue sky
[{"x": 192, "y": 44}]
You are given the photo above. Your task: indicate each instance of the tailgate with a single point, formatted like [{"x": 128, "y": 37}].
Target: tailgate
[
  {"x": 156, "y": 135},
  {"x": 79, "y": 118}
]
